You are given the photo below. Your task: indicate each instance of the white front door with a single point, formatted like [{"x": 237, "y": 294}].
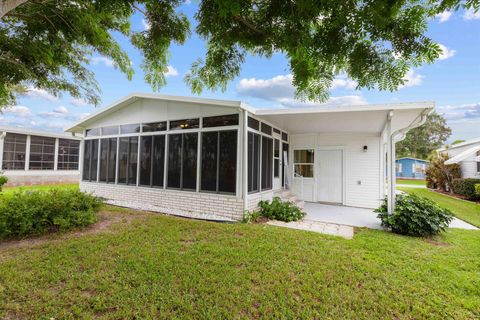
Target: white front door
[
  {"x": 277, "y": 164},
  {"x": 330, "y": 176}
]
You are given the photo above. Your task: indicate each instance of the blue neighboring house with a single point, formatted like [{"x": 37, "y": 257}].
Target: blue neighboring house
[{"x": 411, "y": 168}]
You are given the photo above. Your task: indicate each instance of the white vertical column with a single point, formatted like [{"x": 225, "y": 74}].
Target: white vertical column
[
  {"x": 138, "y": 161},
  {"x": 244, "y": 148},
  {"x": 27, "y": 152},
  {"x": 55, "y": 160},
  {"x": 199, "y": 160},
  {"x": 2, "y": 140},
  {"x": 392, "y": 179}
]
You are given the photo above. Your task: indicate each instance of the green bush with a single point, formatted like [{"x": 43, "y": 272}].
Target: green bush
[
  {"x": 3, "y": 180},
  {"x": 252, "y": 216},
  {"x": 477, "y": 190},
  {"x": 280, "y": 210},
  {"x": 415, "y": 216},
  {"x": 39, "y": 212},
  {"x": 466, "y": 188}
]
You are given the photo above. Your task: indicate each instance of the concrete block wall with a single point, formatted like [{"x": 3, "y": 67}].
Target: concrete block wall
[
  {"x": 171, "y": 201},
  {"x": 254, "y": 198}
]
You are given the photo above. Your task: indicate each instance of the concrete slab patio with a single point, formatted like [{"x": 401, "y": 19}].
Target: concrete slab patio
[{"x": 357, "y": 217}]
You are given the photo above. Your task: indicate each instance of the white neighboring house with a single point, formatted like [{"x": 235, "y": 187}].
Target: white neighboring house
[
  {"x": 194, "y": 156},
  {"x": 29, "y": 157},
  {"x": 467, "y": 155}
]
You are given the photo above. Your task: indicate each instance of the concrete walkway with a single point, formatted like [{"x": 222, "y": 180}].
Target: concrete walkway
[
  {"x": 357, "y": 217},
  {"x": 411, "y": 186},
  {"x": 332, "y": 229}
]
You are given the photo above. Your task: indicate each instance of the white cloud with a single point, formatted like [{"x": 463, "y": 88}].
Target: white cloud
[
  {"x": 171, "y": 72},
  {"x": 19, "y": 111},
  {"x": 444, "y": 16},
  {"x": 61, "y": 109},
  {"x": 78, "y": 102},
  {"x": 446, "y": 53},
  {"x": 102, "y": 60},
  {"x": 412, "y": 79},
  {"x": 460, "y": 112},
  {"x": 59, "y": 112},
  {"x": 280, "y": 89},
  {"x": 37, "y": 93},
  {"x": 470, "y": 14},
  {"x": 145, "y": 24}
]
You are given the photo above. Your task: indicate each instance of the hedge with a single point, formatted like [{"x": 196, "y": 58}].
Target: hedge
[{"x": 466, "y": 188}]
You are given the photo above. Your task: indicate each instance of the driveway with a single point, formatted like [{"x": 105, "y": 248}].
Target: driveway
[{"x": 357, "y": 217}]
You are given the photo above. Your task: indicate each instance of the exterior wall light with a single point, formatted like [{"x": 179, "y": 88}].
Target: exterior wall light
[{"x": 365, "y": 148}]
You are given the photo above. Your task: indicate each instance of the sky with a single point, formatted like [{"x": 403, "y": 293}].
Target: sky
[{"x": 452, "y": 82}]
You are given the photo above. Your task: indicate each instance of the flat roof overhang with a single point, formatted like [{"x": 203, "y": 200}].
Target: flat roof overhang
[{"x": 345, "y": 119}]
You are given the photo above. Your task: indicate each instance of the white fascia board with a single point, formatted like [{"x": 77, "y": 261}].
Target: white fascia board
[
  {"x": 459, "y": 145},
  {"x": 413, "y": 159},
  {"x": 80, "y": 125},
  {"x": 33, "y": 132},
  {"x": 354, "y": 108},
  {"x": 463, "y": 155}
]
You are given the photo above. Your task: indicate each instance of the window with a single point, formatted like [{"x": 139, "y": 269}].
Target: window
[
  {"x": 108, "y": 159},
  {"x": 127, "y": 160},
  {"x": 129, "y": 128},
  {"x": 266, "y": 129},
  {"x": 267, "y": 153},
  {"x": 154, "y": 126},
  {"x": 399, "y": 167},
  {"x": 221, "y": 121},
  {"x": 478, "y": 162},
  {"x": 182, "y": 161},
  {"x": 42, "y": 153},
  {"x": 284, "y": 137},
  {"x": 68, "y": 153},
  {"x": 276, "y": 158},
  {"x": 276, "y": 130},
  {"x": 253, "y": 162},
  {"x": 219, "y": 161},
  {"x": 14, "y": 149},
  {"x": 152, "y": 154},
  {"x": 92, "y": 132},
  {"x": 184, "y": 124},
  {"x": 253, "y": 123},
  {"x": 418, "y": 167},
  {"x": 107, "y": 131},
  {"x": 303, "y": 162},
  {"x": 90, "y": 160}
]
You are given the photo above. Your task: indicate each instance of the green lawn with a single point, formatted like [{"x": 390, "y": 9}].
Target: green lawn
[
  {"x": 412, "y": 182},
  {"x": 148, "y": 266},
  {"x": 465, "y": 210},
  {"x": 11, "y": 190}
]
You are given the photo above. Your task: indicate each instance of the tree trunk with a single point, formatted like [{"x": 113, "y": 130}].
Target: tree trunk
[{"x": 9, "y": 5}]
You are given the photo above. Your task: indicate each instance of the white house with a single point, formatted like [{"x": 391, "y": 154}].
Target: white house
[
  {"x": 38, "y": 157},
  {"x": 188, "y": 155},
  {"x": 467, "y": 155}
]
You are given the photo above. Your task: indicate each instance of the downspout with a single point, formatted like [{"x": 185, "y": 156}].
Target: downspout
[{"x": 395, "y": 137}]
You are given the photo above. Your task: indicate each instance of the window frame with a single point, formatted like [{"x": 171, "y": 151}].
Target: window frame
[{"x": 312, "y": 164}]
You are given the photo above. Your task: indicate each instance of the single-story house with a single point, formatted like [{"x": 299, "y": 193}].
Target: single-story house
[
  {"x": 219, "y": 157},
  {"x": 411, "y": 168},
  {"x": 29, "y": 157},
  {"x": 467, "y": 155}
]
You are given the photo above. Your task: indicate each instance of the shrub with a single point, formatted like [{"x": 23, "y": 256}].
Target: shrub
[
  {"x": 252, "y": 216},
  {"x": 415, "y": 216},
  {"x": 280, "y": 210},
  {"x": 466, "y": 188},
  {"x": 439, "y": 175},
  {"x": 3, "y": 180},
  {"x": 477, "y": 190},
  {"x": 39, "y": 212}
]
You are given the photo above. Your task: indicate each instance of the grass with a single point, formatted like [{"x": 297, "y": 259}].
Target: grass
[
  {"x": 411, "y": 182},
  {"x": 465, "y": 210},
  {"x": 10, "y": 190},
  {"x": 153, "y": 266}
]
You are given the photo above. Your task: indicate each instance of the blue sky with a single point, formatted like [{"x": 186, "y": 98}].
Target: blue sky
[{"x": 453, "y": 81}]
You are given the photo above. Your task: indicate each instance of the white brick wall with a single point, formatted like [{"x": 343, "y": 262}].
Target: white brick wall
[
  {"x": 254, "y": 198},
  {"x": 172, "y": 201}
]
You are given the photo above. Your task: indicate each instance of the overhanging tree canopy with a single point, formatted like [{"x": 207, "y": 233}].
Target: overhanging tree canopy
[{"x": 46, "y": 43}]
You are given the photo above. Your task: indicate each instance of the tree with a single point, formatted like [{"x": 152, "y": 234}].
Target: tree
[
  {"x": 420, "y": 142},
  {"x": 439, "y": 175},
  {"x": 46, "y": 43}
]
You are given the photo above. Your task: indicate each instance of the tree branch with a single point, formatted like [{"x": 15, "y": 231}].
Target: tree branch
[{"x": 8, "y": 5}]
